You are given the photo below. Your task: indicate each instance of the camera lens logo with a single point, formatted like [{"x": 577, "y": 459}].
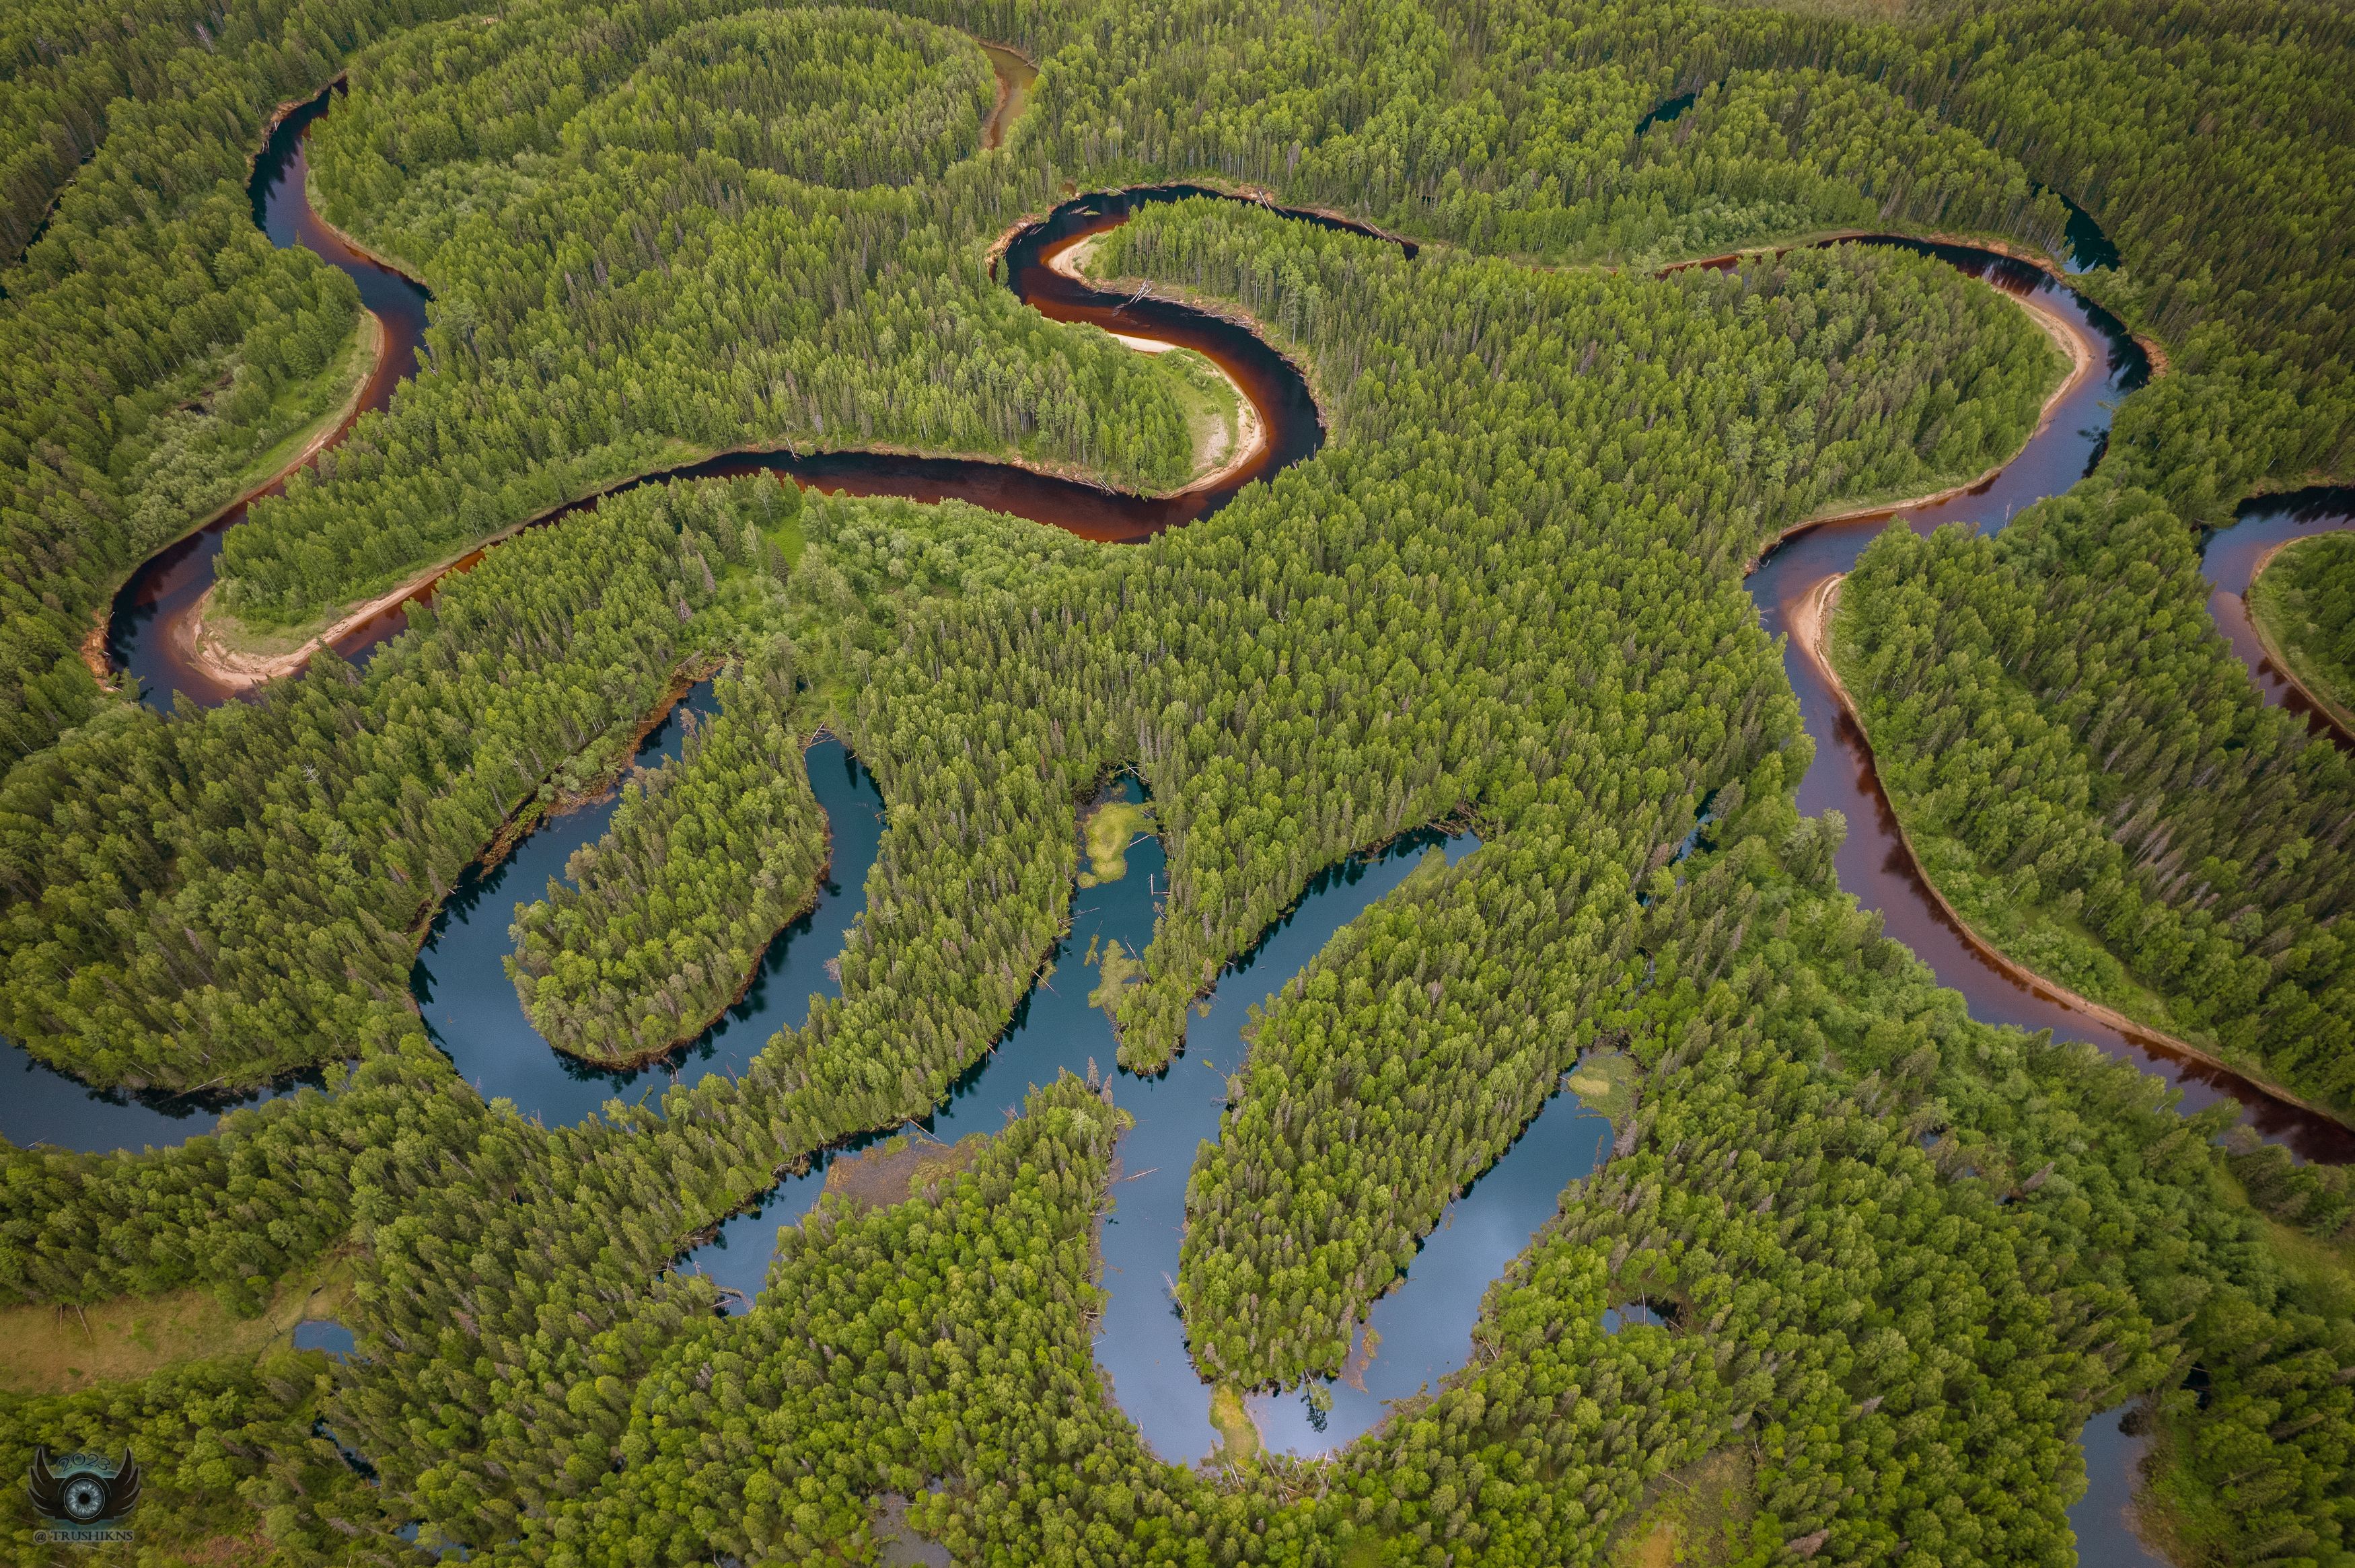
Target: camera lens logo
[
  {"x": 85, "y": 1500},
  {"x": 83, "y": 1494}
]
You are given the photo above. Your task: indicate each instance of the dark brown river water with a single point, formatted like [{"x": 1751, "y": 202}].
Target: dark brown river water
[
  {"x": 1874, "y": 863},
  {"x": 1426, "y": 1322}
]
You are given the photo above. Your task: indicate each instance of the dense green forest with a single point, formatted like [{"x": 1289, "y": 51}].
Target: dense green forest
[
  {"x": 2304, "y": 601},
  {"x": 1902, "y": 1254},
  {"x": 146, "y": 335},
  {"x": 654, "y": 930},
  {"x": 628, "y": 296},
  {"x": 2054, "y": 709}
]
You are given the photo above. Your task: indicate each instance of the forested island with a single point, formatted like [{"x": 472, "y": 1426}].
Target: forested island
[{"x": 1412, "y": 783}]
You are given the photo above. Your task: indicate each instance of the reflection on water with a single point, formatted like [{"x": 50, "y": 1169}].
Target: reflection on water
[
  {"x": 1629, "y": 1315},
  {"x": 1421, "y": 1330},
  {"x": 1141, "y": 1340},
  {"x": 325, "y": 1334},
  {"x": 2100, "y": 1520}
]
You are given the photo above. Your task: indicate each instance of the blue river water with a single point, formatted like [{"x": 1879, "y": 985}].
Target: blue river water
[
  {"x": 1424, "y": 1324},
  {"x": 470, "y": 1005},
  {"x": 2099, "y": 1518},
  {"x": 471, "y": 1008}
]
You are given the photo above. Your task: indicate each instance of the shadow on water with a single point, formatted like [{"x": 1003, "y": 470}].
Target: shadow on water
[
  {"x": 470, "y": 1006},
  {"x": 40, "y": 1105},
  {"x": 1668, "y": 110},
  {"x": 2088, "y": 247}
]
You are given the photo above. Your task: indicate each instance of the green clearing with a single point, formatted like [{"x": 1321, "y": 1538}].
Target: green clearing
[
  {"x": 1695, "y": 1516},
  {"x": 1605, "y": 1080},
  {"x": 48, "y": 1349},
  {"x": 1216, "y": 413},
  {"x": 1238, "y": 1434}
]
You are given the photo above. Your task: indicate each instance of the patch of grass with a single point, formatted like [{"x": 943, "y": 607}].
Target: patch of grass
[
  {"x": 52, "y": 1350},
  {"x": 1605, "y": 1080},
  {"x": 1214, "y": 408},
  {"x": 1108, "y": 831},
  {"x": 898, "y": 1169},
  {"x": 1119, "y": 970},
  {"x": 1694, "y": 1517},
  {"x": 1238, "y": 1434}
]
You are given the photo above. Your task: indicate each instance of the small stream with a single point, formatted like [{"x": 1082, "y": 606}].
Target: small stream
[
  {"x": 40, "y": 1105},
  {"x": 2228, "y": 557},
  {"x": 1423, "y": 1325}
]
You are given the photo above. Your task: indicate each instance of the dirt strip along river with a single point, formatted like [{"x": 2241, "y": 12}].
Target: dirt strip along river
[
  {"x": 147, "y": 624},
  {"x": 1875, "y": 862},
  {"x": 148, "y": 629},
  {"x": 2229, "y": 558},
  {"x": 1424, "y": 1325}
]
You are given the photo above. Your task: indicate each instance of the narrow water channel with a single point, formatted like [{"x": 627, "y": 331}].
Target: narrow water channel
[
  {"x": 40, "y": 1105},
  {"x": 1424, "y": 1325},
  {"x": 2230, "y": 557},
  {"x": 146, "y": 626},
  {"x": 1874, "y": 863},
  {"x": 2101, "y": 1518},
  {"x": 470, "y": 1006},
  {"x": 1421, "y": 1330}
]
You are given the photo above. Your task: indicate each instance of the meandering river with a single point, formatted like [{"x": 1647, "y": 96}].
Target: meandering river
[
  {"x": 2232, "y": 557},
  {"x": 148, "y": 632},
  {"x": 1424, "y": 1325},
  {"x": 1875, "y": 862}
]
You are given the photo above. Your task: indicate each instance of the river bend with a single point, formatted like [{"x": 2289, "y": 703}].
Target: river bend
[
  {"x": 1424, "y": 1324},
  {"x": 148, "y": 633}
]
